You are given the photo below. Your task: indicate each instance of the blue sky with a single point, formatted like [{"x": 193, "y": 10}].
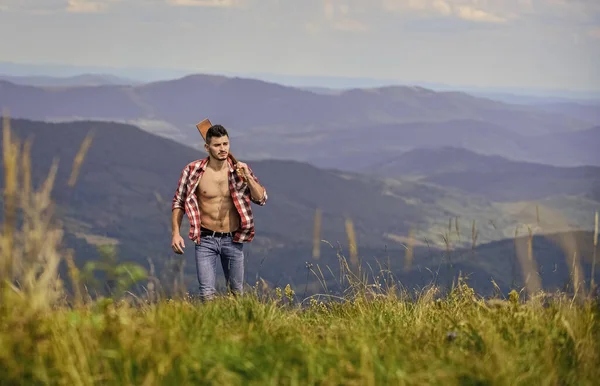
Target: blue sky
[{"x": 551, "y": 44}]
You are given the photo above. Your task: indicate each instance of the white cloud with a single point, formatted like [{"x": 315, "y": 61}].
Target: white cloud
[
  {"x": 492, "y": 11},
  {"x": 406, "y": 5},
  {"x": 472, "y": 14},
  {"x": 86, "y": 6},
  {"x": 496, "y": 11},
  {"x": 206, "y": 3},
  {"x": 342, "y": 15},
  {"x": 442, "y": 7}
]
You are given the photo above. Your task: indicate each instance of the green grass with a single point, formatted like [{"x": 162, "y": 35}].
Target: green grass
[{"x": 458, "y": 339}]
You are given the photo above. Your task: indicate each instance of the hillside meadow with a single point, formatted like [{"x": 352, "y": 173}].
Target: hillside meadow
[{"x": 53, "y": 331}]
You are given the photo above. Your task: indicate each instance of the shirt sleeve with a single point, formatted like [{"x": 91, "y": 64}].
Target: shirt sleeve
[
  {"x": 181, "y": 191},
  {"x": 264, "y": 198}
]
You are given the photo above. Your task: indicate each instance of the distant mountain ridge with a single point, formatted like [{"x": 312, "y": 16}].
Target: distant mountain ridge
[
  {"x": 253, "y": 104},
  {"x": 446, "y": 159},
  {"x": 375, "y": 146},
  {"x": 332, "y": 82},
  {"x": 272, "y": 121}
]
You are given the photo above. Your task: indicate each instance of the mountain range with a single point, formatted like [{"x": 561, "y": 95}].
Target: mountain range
[
  {"x": 351, "y": 129},
  {"x": 329, "y": 83},
  {"x": 494, "y": 177},
  {"x": 128, "y": 178}
]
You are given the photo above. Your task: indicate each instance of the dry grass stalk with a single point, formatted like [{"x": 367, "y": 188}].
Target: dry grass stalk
[
  {"x": 456, "y": 227},
  {"x": 30, "y": 254},
  {"x": 592, "y": 281},
  {"x": 78, "y": 160},
  {"x": 316, "y": 252},
  {"x": 75, "y": 276},
  {"x": 575, "y": 272},
  {"x": 569, "y": 246},
  {"x": 409, "y": 254},
  {"x": 9, "y": 151},
  {"x": 513, "y": 263},
  {"x": 524, "y": 252},
  {"x": 596, "y": 230},
  {"x": 352, "y": 242},
  {"x": 26, "y": 172},
  {"x": 530, "y": 244}
]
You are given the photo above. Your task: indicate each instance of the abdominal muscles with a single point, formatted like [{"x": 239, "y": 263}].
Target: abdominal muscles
[{"x": 218, "y": 213}]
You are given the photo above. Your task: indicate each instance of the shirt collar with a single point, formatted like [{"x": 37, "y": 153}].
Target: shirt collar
[{"x": 230, "y": 163}]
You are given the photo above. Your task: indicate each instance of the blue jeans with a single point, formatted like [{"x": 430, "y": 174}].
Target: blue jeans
[{"x": 232, "y": 260}]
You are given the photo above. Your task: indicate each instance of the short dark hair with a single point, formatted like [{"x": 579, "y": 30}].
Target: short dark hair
[{"x": 215, "y": 131}]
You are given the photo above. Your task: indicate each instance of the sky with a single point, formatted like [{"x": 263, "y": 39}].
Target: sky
[{"x": 541, "y": 44}]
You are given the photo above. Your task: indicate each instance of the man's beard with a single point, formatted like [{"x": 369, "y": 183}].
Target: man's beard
[{"x": 220, "y": 156}]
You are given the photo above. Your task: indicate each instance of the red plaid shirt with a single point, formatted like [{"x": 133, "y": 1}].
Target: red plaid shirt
[{"x": 185, "y": 198}]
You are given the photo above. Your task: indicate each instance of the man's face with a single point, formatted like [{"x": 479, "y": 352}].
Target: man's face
[{"x": 218, "y": 147}]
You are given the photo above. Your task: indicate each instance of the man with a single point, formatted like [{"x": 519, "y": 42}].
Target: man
[{"x": 215, "y": 194}]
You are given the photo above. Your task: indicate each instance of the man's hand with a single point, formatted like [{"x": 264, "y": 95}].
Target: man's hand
[
  {"x": 178, "y": 244},
  {"x": 242, "y": 170},
  {"x": 257, "y": 192}
]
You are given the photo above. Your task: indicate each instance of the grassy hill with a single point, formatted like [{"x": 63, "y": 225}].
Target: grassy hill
[
  {"x": 126, "y": 182},
  {"x": 268, "y": 338}
]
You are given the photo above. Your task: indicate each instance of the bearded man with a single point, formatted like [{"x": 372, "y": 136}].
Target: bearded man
[{"x": 215, "y": 194}]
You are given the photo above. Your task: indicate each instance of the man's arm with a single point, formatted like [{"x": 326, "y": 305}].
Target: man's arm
[
  {"x": 258, "y": 193},
  {"x": 176, "y": 218},
  {"x": 177, "y": 212},
  {"x": 177, "y": 243},
  {"x": 178, "y": 201}
]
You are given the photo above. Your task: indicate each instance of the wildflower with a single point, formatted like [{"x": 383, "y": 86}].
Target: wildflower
[{"x": 289, "y": 293}]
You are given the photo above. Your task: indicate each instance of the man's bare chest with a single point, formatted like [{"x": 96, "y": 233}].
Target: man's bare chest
[{"x": 213, "y": 185}]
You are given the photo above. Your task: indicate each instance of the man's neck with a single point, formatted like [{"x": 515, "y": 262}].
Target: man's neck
[{"x": 216, "y": 164}]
